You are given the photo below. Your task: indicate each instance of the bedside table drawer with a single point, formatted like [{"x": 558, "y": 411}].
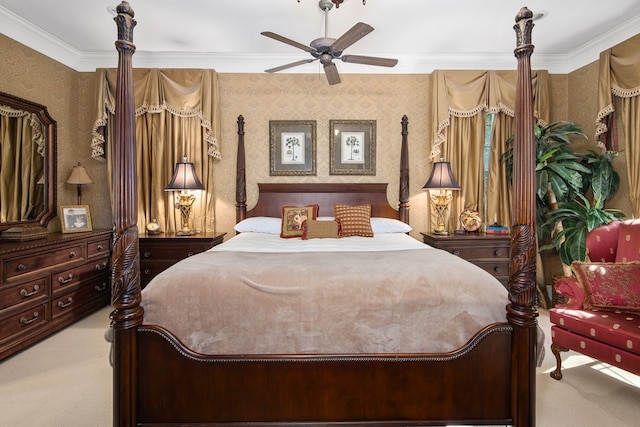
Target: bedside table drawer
[
  {"x": 496, "y": 268},
  {"x": 157, "y": 252},
  {"x": 479, "y": 252}
]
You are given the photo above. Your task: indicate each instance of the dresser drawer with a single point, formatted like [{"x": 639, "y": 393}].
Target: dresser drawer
[
  {"x": 24, "y": 321},
  {"x": 70, "y": 302},
  {"x": 98, "y": 248},
  {"x": 65, "y": 279},
  {"x": 31, "y": 291},
  {"x": 15, "y": 267}
]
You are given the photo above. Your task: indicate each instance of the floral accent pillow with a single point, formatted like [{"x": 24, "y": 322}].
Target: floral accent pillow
[
  {"x": 293, "y": 217},
  {"x": 612, "y": 286},
  {"x": 353, "y": 220}
]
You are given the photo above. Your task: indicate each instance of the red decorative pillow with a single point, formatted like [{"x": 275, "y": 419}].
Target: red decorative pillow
[
  {"x": 602, "y": 242},
  {"x": 629, "y": 241},
  {"x": 613, "y": 286},
  {"x": 293, "y": 217},
  {"x": 353, "y": 220}
]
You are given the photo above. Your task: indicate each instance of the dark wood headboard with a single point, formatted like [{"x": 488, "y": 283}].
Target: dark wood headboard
[{"x": 273, "y": 196}]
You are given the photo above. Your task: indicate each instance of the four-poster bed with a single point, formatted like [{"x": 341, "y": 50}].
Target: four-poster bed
[{"x": 159, "y": 381}]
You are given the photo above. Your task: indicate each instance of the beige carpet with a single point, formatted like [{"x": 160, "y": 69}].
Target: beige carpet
[{"x": 65, "y": 381}]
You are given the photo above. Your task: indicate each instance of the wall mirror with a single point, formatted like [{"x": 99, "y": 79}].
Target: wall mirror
[{"x": 27, "y": 163}]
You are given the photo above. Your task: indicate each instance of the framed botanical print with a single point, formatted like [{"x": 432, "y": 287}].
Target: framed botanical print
[
  {"x": 292, "y": 147},
  {"x": 352, "y": 147},
  {"x": 75, "y": 219}
]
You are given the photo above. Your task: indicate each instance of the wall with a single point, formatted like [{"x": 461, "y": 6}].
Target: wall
[
  {"x": 263, "y": 97},
  {"x": 35, "y": 77}
]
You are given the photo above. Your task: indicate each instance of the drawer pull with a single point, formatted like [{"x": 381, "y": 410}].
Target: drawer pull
[
  {"x": 147, "y": 254},
  {"x": 498, "y": 269},
  {"x": 191, "y": 253},
  {"x": 147, "y": 271},
  {"x": 25, "y": 321},
  {"x": 101, "y": 287},
  {"x": 457, "y": 253},
  {"x": 100, "y": 247},
  {"x": 22, "y": 267},
  {"x": 498, "y": 252},
  {"x": 64, "y": 281},
  {"x": 72, "y": 254},
  {"x": 101, "y": 267},
  {"x": 25, "y": 293},
  {"x": 65, "y": 304}
]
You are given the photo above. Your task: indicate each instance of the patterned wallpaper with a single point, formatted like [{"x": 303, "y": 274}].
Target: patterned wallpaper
[{"x": 263, "y": 97}]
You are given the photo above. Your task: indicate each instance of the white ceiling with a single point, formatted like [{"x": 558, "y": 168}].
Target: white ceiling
[{"x": 225, "y": 34}]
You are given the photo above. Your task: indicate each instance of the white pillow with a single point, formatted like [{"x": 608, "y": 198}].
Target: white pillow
[
  {"x": 259, "y": 224},
  {"x": 389, "y": 225}
]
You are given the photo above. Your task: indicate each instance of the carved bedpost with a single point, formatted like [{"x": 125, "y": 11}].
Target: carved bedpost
[
  {"x": 125, "y": 273},
  {"x": 403, "y": 214},
  {"x": 241, "y": 181},
  {"x": 521, "y": 311}
]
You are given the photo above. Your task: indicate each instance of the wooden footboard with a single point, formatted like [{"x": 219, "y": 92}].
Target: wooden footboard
[{"x": 463, "y": 387}]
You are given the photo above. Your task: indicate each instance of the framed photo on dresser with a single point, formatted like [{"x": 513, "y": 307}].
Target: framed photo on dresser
[{"x": 75, "y": 218}]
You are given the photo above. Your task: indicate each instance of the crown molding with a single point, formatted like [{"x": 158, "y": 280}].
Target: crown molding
[{"x": 24, "y": 32}]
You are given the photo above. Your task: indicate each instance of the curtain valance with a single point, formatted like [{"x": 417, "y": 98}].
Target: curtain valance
[
  {"x": 468, "y": 93},
  {"x": 183, "y": 93},
  {"x": 619, "y": 76}
]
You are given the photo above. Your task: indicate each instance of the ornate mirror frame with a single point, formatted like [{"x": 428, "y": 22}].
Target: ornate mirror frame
[{"x": 50, "y": 129}]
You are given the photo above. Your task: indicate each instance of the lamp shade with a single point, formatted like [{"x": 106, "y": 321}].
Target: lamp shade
[
  {"x": 79, "y": 176},
  {"x": 441, "y": 177},
  {"x": 184, "y": 178}
]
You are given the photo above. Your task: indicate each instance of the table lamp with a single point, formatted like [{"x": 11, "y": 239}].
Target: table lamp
[
  {"x": 440, "y": 184},
  {"x": 185, "y": 179}
]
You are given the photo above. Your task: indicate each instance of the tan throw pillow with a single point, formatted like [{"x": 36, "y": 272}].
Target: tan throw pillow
[
  {"x": 319, "y": 229},
  {"x": 353, "y": 220},
  {"x": 293, "y": 217}
]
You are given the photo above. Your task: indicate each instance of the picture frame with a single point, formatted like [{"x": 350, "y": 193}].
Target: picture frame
[
  {"x": 292, "y": 148},
  {"x": 352, "y": 146},
  {"x": 75, "y": 218}
]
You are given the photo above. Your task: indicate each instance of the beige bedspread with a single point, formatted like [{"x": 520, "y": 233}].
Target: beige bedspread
[{"x": 417, "y": 300}]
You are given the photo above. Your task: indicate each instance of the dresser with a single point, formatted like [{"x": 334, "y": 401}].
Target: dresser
[
  {"x": 160, "y": 251},
  {"x": 488, "y": 251},
  {"x": 50, "y": 283}
]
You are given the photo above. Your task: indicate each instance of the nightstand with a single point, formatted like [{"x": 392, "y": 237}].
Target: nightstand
[
  {"x": 160, "y": 251},
  {"x": 488, "y": 251}
]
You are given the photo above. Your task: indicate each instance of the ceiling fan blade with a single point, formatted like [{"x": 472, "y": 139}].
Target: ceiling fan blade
[
  {"x": 369, "y": 60},
  {"x": 293, "y": 64},
  {"x": 287, "y": 41},
  {"x": 331, "y": 71},
  {"x": 354, "y": 34}
]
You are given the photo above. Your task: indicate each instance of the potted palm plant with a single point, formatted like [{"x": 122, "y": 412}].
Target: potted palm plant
[{"x": 572, "y": 189}]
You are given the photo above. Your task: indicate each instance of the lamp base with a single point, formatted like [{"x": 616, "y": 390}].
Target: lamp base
[
  {"x": 185, "y": 233},
  {"x": 441, "y": 232}
]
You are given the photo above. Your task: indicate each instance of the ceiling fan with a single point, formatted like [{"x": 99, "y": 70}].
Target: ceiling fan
[{"x": 326, "y": 49}]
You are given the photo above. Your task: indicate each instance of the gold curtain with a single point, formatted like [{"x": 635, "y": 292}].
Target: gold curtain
[
  {"x": 177, "y": 113},
  {"x": 620, "y": 78},
  {"x": 22, "y": 158},
  {"x": 462, "y": 100}
]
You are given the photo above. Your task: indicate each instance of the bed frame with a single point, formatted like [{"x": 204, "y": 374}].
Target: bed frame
[{"x": 157, "y": 381}]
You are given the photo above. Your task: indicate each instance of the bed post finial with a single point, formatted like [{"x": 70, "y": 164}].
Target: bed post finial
[
  {"x": 403, "y": 214},
  {"x": 521, "y": 311},
  {"x": 241, "y": 181},
  {"x": 125, "y": 267}
]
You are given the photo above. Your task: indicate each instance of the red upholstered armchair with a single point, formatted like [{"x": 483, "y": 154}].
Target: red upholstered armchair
[{"x": 599, "y": 313}]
